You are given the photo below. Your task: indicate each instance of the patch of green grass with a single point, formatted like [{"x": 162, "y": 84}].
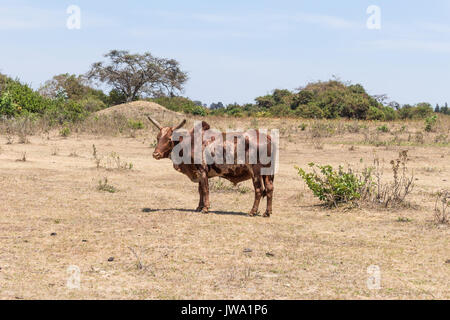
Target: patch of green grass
[
  {"x": 103, "y": 185},
  {"x": 135, "y": 124}
]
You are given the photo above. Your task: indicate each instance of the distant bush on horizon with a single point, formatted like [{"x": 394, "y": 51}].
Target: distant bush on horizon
[{"x": 68, "y": 98}]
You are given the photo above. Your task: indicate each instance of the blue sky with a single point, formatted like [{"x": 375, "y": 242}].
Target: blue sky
[{"x": 234, "y": 50}]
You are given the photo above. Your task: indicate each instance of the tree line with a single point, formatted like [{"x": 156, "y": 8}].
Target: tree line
[{"x": 130, "y": 77}]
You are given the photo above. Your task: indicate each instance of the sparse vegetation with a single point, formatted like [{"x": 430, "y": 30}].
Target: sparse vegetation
[
  {"x": 110, "y": 162},
  {"x": 103, "y": 185},
  {"x": 348, "y": 186},
  {"x": 103, "y": 224},
  {"x": 441, "y": 206},
  {"x": 430, "y": 123},
  {"x": 383, "y": 128},
  {"x": 395, "y": 192},
  {"x": 64, "y": 132},
  {"x": 23, "y": 157},
  {"x": 221, "y": 185}
]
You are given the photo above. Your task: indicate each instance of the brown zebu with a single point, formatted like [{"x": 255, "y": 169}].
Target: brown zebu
[{"x": 234, "y": 172}]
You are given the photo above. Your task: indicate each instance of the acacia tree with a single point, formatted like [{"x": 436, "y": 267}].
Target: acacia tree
[{"x": 134, "y": 75}]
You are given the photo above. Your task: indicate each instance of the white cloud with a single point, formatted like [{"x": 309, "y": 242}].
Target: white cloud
[
  {"x": 255, "y": 19},
  {"x": 429, "y": 46},
  {"x": 324, "y": 20},
  {"x": 25, "y": 17},
  {"x": 32, "y": 18},
  {"x": 435, "y": 27}
]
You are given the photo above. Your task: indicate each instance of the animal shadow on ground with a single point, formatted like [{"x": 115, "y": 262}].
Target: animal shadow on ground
[{"x": 147, "y": 210}]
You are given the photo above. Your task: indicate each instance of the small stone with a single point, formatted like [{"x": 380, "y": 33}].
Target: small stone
[
  {"x": 53, "y": 234},
  {"x": 248, "y": 250},
  {"x": 448, "y": 262},
  {"x": 270, "y": 254},
  {"x": 84, "y": 241},
  {"x": 110, "y": 259}
]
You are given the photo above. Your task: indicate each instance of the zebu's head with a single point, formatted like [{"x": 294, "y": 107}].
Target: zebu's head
[{"x": 164, "y": 144}]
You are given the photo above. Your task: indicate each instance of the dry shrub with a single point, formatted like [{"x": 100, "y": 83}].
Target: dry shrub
[
  {"x": 319, "y": 131},
  {"x": 103, "y": 185},
  {"x": 110, "y": 162},
  {"x": 105, "y": 125},
  {"x": 395, "y": 192},
  {"x": 353, "y": 127},
  {"x": 441, "y": 206}
]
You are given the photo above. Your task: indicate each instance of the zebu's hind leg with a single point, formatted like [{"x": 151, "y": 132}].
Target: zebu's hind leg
[
  {"x": 257, "y": 185},
  {"x": 268, "y": 184},
  {"x": 204, "y": 186},
  {"x": 201, "y": 203}
]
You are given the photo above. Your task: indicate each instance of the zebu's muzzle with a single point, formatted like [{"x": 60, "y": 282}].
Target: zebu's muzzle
[{"x": 157, "y": 155}]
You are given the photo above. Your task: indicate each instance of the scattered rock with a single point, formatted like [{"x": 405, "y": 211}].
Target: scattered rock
[
  {"x": 110, "y": 259},
  {"x": 53, "y": 234},
  {"x": 248, "y": 250},
  {"x": 270, "y": 254},
  {"x": 84, "y": 241},
  {"x": 448, "y": 262}
]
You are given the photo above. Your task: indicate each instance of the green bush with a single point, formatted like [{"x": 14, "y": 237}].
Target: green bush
[
  {"x": 430, "y": 122},
  {"x": 135, "y": 124},
  {"x": 181, "y": 104},
  {"x": 17, "y": 98},
  {"x": 383, "y": 128},
  {"x": 65, "y": 132},
  {"x": 65, "y": 111},
  {"x": 92, "y": 104},
  {"x": 389, "y": 114},
  {"x": 422, "y": 110},
  {"x": 419, "y": 111},
  {"x": 311, "y": 110},
  {"x": 375, "y": 113},
  {"x": 332, "y": 186}
]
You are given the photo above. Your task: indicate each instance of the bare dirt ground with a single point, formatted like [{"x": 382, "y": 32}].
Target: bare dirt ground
[{"x": 52, "y": 216}]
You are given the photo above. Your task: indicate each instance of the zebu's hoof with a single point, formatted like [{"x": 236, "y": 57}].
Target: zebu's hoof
[
  {"x": 267, "y": 214},
  {"x": 199, "y": 209},
  {"x": 205, "y": 210},
  {"x": 252, "y": 213}
]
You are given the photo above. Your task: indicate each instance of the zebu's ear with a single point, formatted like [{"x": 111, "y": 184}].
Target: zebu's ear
[
  {"x": 205, "y": 126},
  {"x": 156, "y": 123},
  {"x": 180, "y": 125}
]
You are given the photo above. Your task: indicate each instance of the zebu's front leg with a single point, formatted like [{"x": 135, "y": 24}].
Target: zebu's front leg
[
  {"x": 204, "y": 186},
  {"x": 268, "y": 184},
  {"x": 201, "y": 203},
  {"x": 257, "y": 185}
]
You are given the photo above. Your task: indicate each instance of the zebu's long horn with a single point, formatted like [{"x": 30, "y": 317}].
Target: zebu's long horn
[
  {"x": 180, "y": 125},
  {"x": 156, "y": 123}
]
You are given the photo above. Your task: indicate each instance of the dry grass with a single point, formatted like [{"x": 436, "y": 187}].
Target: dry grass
[{"x": 146, "y": 241}]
